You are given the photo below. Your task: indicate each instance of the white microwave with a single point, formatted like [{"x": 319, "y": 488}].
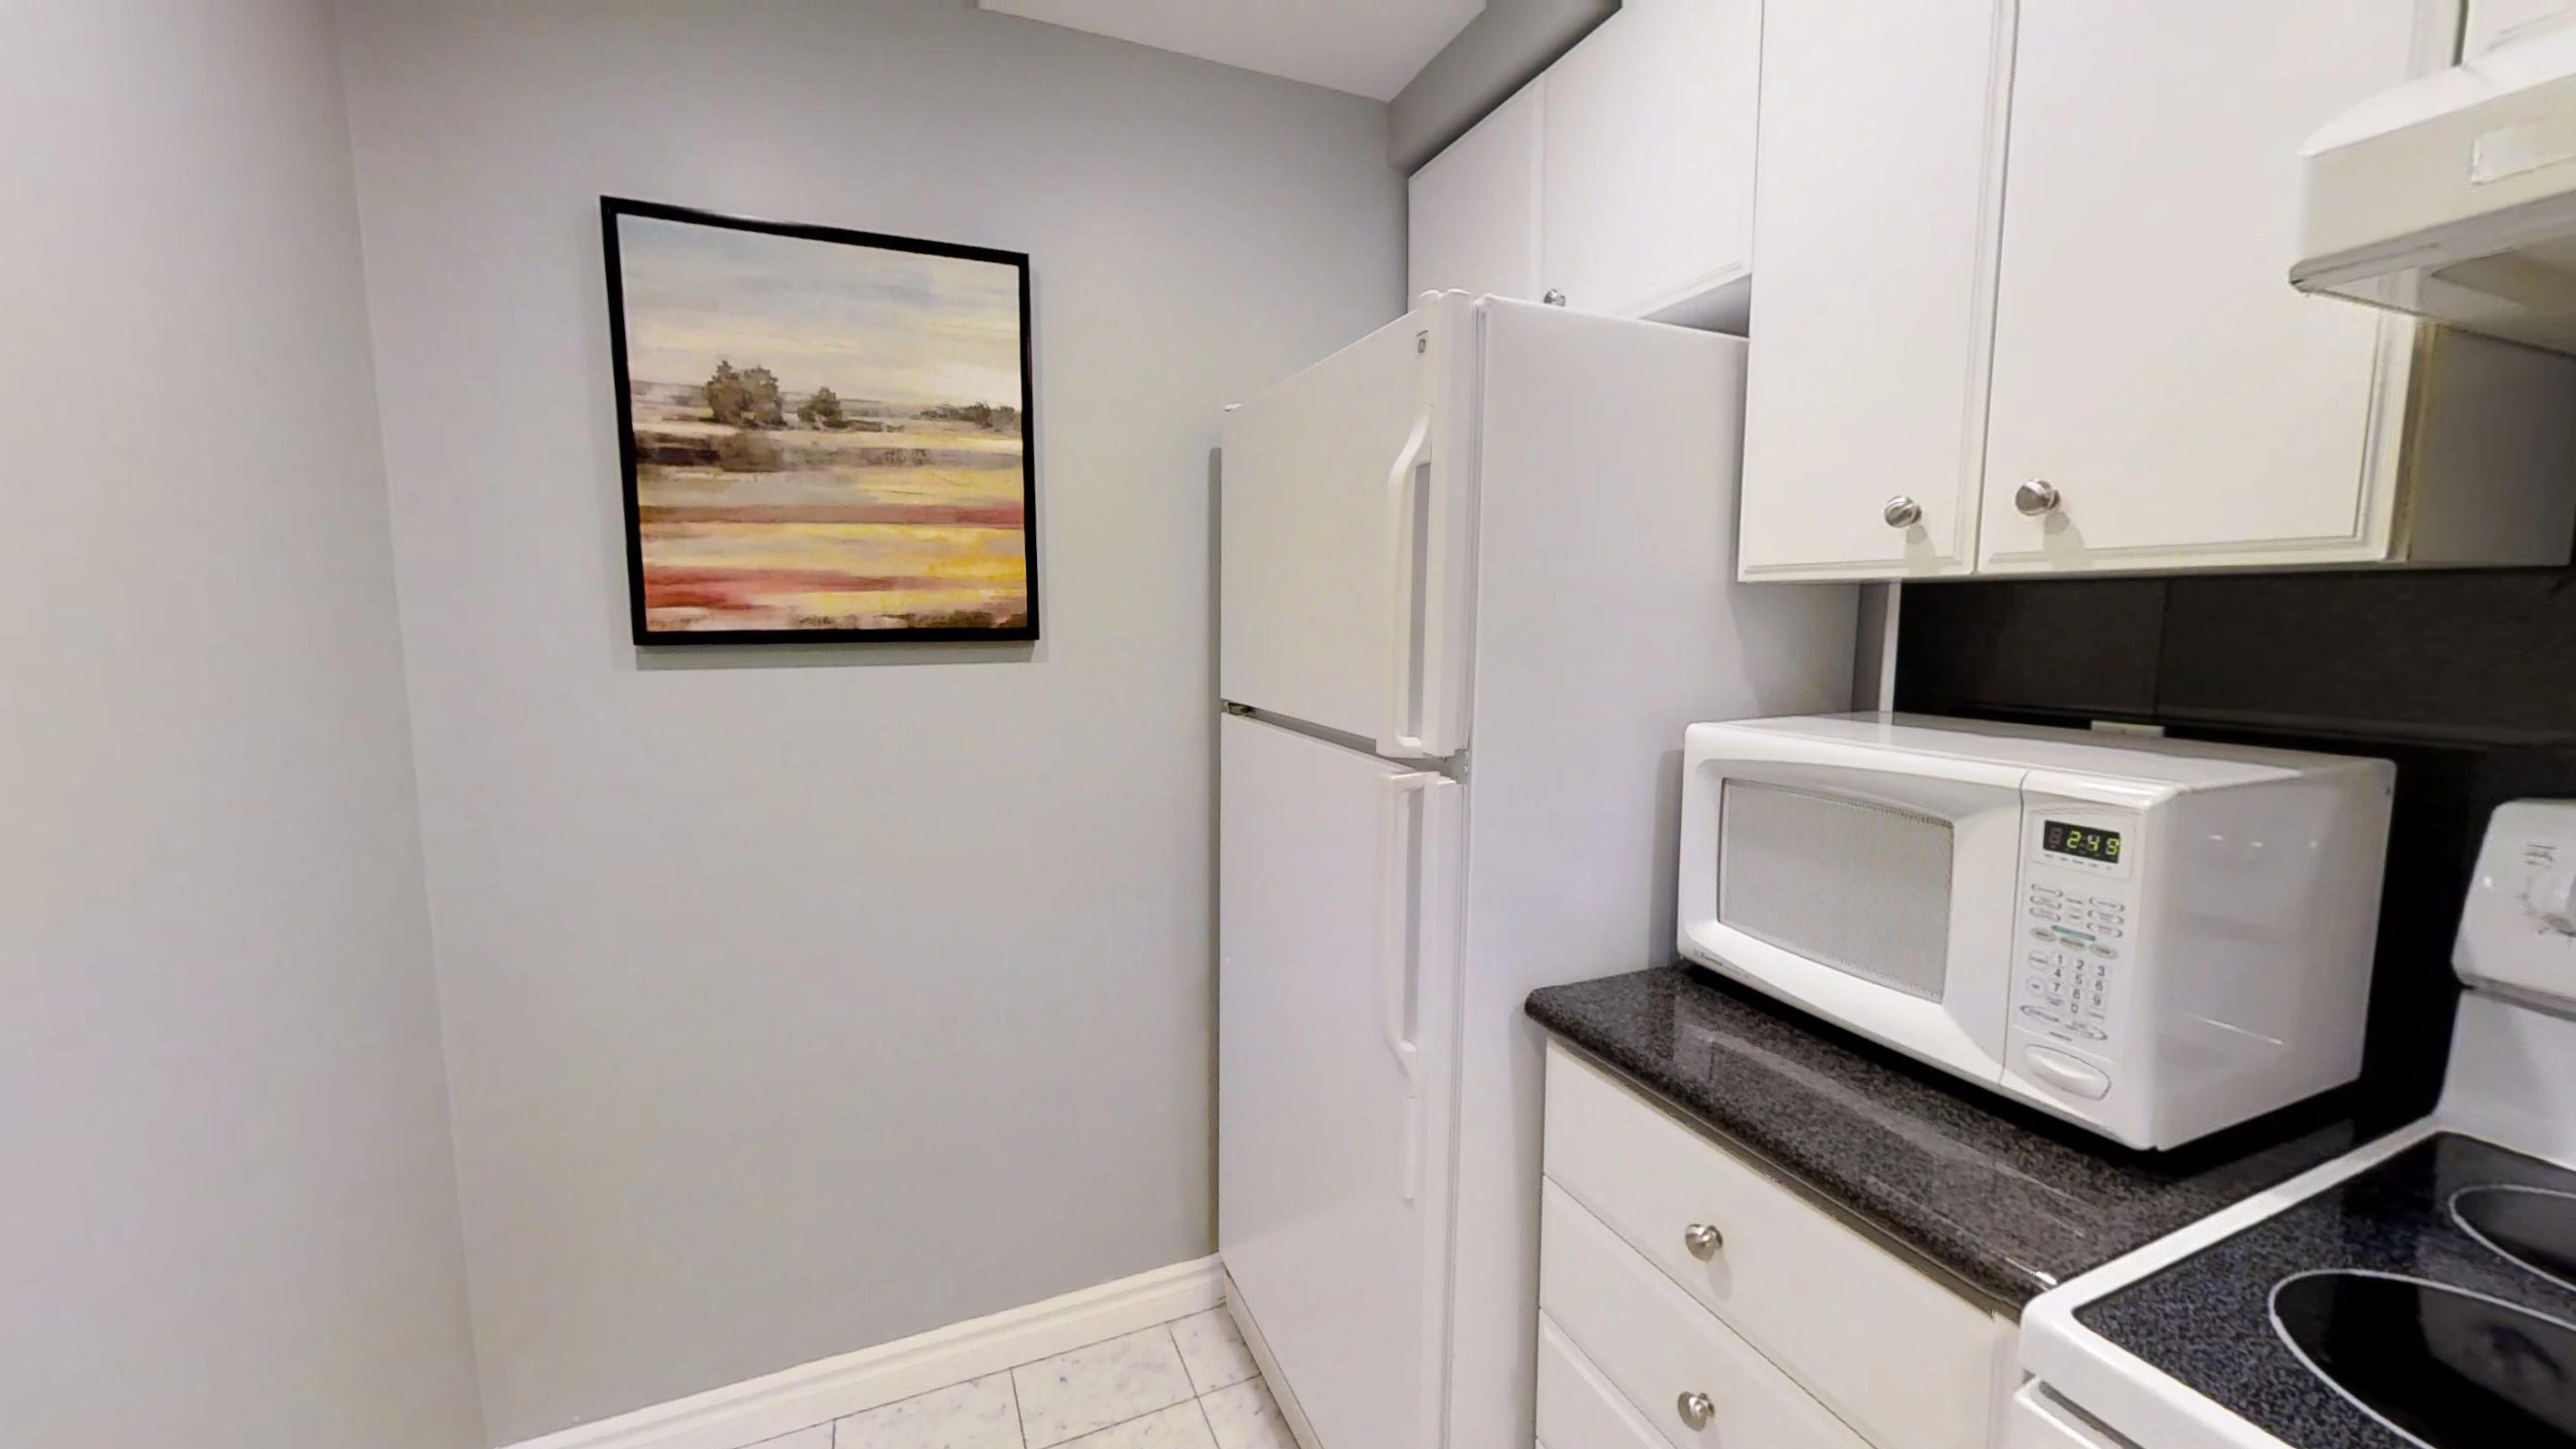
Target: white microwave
[{"x": 2152, "y": 938}]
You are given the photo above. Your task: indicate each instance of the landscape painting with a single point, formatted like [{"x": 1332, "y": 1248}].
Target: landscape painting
[{"x": 825, "y": 433}]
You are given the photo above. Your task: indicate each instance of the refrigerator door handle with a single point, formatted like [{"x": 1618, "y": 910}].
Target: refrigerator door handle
[
  {"x": 1399, "y": 893},
  {"x": 1397, "y": 735}
]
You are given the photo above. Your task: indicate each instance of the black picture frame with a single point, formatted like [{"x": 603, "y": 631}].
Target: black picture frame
[{"x": 611, "y": 208}]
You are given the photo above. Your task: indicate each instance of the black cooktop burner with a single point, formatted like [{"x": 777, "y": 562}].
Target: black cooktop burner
[
  {"x": 2534, "y": 1226},
  {"x": 2443, "y": 1366},
  {"x": 2430, "y": 1300}
]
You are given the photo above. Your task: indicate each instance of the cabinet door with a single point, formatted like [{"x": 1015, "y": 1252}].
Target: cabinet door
[
  {"x": 2491, "y": 23},
  {"x": 2151, "y": 363},
  {"x": 1648, "y": 178},
  {"x": 1874, "y": 223},
  {"x": 1473, "y": 220}
]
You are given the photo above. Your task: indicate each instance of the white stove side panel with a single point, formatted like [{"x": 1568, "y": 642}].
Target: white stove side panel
[{"x": 2512, "y": 1079}]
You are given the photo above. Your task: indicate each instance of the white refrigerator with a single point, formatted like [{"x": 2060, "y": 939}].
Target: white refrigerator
[{"x": 1477, "y": 574}]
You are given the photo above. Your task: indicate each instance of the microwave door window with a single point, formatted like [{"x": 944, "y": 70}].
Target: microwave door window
[{"x": 1849, "y": 884}]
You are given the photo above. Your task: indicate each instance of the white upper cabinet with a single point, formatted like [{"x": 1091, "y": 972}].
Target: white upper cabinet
[
  {"x": 2491, "y": 23},
  {"x": 1621, "y": 179},
  {"x": 1473, "y": 210},
  {"x": 2151, "y": 363},
  {"x": 1648, "y": 176},
  {"x": 1874, "y": 220},
  {"x": 2024, "y": 282}
]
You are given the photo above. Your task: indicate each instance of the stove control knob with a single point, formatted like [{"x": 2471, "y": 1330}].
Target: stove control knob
[{"x": 2552, "y": 898}]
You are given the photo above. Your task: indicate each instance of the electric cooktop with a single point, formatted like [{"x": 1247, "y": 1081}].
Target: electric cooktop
[{"x": 2429, "y": 1300}]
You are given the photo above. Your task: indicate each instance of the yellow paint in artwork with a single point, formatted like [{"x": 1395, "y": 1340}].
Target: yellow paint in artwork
[
  {"x": 709, "y": 488},
  {"x": 920, "y": 535},
  {"x": 895, "y": 603},
  {"x": 1012, "y": 570}
]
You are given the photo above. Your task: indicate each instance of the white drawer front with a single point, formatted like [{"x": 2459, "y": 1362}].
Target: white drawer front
[
  {"x": 1655, "y": 1345},
  {"x": 1578, "y": 1405},
  {"x": 1895, "y": 1352}
]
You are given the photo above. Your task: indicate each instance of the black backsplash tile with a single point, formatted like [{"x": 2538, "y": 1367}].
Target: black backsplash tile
[
  {"x": 2088, "y": 646},
  {"x": 2484, "y": 656},
  {"x": 2467, "y": 680}
]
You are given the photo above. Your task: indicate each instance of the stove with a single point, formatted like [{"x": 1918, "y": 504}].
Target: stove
[
  {"x": 2401, "y": 1307},
  {"x": 2419, "y": 1293}
]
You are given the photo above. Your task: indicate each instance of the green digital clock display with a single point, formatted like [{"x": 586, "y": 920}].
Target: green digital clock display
[{"x": 2083, "y": 844}]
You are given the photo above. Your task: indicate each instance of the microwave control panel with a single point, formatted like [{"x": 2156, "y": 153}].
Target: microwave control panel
[{"x": 2072, "y": 945}]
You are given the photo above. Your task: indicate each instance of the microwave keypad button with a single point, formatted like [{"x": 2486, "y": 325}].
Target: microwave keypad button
[
  {"x": 2042, "y": 933},
  {"x": 2046, "y": 890},
  {"x": 2106, "y": 953},
  {"x": 2039, "y": 914}
]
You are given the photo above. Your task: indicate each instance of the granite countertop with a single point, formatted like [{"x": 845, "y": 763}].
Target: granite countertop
[{"x": 2008, "y": 1200}]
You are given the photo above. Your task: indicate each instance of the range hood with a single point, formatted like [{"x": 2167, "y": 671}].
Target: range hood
[{"x": 2454, "y": 196}]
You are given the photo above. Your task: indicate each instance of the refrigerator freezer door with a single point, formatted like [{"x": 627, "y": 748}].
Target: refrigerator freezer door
[
  {"x": 1337, "y": 914},
  {"x": 1344, "y": 538}
]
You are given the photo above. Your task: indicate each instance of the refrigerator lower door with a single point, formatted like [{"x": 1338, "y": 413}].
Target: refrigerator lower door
[
  {"x": 1335, "y": 989},
  {"x": 1344, "y": 530}
]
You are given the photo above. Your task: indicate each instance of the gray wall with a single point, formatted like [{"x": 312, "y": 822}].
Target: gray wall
[
  {"x": 800, "y": 1001},
  {"x": 226, "y": 1194},
  {"x": 1508, "y": 42}
]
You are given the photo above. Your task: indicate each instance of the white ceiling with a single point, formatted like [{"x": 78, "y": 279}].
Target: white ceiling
[{"x": 1367, "y": 47}]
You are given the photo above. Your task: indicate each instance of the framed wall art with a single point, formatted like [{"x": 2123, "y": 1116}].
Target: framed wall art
[{"x": 825, "y": 433}]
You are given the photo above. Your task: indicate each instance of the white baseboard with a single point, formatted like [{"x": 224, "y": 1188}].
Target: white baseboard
[{"x": 746, "y": 1413}]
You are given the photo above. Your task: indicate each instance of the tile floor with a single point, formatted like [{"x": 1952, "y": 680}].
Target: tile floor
[{"x": 1187, "y": 1384}]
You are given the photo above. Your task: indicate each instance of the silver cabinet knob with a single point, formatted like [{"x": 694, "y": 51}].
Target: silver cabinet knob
[
  {"x": 1902, "y": 512},
  {"x": 2036, "y": 497},
  {"x": 1703, "y": 1241},
  {"x": 1695, "y": 1408},
  {"x": 1553, "y": 298}
]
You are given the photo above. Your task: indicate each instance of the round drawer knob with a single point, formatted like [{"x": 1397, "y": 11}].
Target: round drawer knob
[
  {"x": 1902, "y": 512},
  {"x": 1554, "y": 298},
  {"x": 1695, "y": 1408},
  {"x": 1703, "y": 1241},
  {"x": 2036, "y": 497}
]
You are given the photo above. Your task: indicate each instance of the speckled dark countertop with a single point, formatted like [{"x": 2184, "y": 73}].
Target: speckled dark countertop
[{"x": 2010, "y": 1201}]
